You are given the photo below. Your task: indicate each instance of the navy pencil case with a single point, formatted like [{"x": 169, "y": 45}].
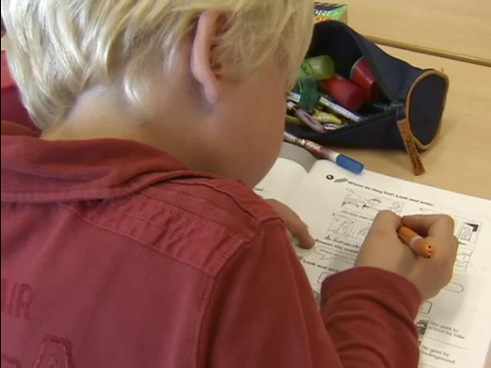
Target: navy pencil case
[{"x": 414, "y": 98}]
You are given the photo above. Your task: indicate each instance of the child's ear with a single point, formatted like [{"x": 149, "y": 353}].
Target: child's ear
[{"x": 203, "y": 66}]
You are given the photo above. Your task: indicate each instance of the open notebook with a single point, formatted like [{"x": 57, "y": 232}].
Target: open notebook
[{"x": 455, "y": 326}]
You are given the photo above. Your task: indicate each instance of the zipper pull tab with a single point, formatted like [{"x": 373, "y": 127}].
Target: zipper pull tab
[{"x": 410, "y": 145}]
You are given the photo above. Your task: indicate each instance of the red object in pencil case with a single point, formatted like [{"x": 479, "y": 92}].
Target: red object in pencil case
[
  {"x": 345, "y": 92},
  {"x": 363, "y": 76}
]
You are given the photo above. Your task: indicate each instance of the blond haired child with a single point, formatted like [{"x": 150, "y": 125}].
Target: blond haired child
[{"x": 130, "y": 233}]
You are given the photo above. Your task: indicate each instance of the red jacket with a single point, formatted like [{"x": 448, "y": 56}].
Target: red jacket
[
  {"x": 12, "y": 107},
  {"x": 116, "y": 255}
]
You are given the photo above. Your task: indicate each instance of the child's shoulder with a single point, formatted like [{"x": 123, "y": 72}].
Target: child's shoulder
[
  {"x": 227, "y": 203},
  {"x": 216, "y": 217},
  {"x": 201, "y": 222}
]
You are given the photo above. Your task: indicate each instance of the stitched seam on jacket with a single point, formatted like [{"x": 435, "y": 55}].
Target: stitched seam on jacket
[{"x": 143, "y": 244}]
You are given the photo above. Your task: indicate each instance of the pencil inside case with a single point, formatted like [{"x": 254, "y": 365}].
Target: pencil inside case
[{"x": 406, "y": 93}]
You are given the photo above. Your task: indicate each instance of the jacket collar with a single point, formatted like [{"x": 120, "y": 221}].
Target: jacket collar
[{"x": 37, "y": 171}]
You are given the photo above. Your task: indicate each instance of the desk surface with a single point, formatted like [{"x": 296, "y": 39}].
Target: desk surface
[
  {"x": 459, "y": 160},
  {"x": 459, "y": 27}
]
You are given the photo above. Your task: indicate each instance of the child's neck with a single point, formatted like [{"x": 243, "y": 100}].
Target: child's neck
[
  {"x": 97, "y": 113},
  {"x": 100, "y": 113}
]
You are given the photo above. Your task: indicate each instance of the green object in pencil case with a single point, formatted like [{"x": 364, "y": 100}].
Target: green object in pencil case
[
  {"x": 308, "y": 90},
  {"x": 318, "y": 68}
]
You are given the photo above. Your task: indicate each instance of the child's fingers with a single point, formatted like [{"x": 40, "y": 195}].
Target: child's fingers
[
  {"x": 386, "y": 220},
  {"x": 301, "y": 233},
  {"x": 439, "y": 232},
  {"x": 298, "y": 229},
  {"x": 438, "y": 226},
  {"x": 294, "y": 224},
  {"x": 445, "y": 250}
]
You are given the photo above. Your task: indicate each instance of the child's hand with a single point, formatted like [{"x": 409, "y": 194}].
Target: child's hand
[
  {"x": 297, "y": 228},
  {"x": 383, "y": 249}
]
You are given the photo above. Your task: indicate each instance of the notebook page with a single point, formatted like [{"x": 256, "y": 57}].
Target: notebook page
[
  {"x": 288, "y": 171},
  {"x": 339, "y": 208},
  {"x": 281, "y": 180}
]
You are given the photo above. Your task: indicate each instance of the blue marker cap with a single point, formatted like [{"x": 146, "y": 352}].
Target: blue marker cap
[{"x": 350, "y": 164}]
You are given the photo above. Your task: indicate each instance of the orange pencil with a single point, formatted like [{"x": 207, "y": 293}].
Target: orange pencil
[{"x": 413, "y": 240}]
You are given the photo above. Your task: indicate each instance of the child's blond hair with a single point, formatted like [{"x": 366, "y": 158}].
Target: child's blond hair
[{"x": 59, "y": 47}]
